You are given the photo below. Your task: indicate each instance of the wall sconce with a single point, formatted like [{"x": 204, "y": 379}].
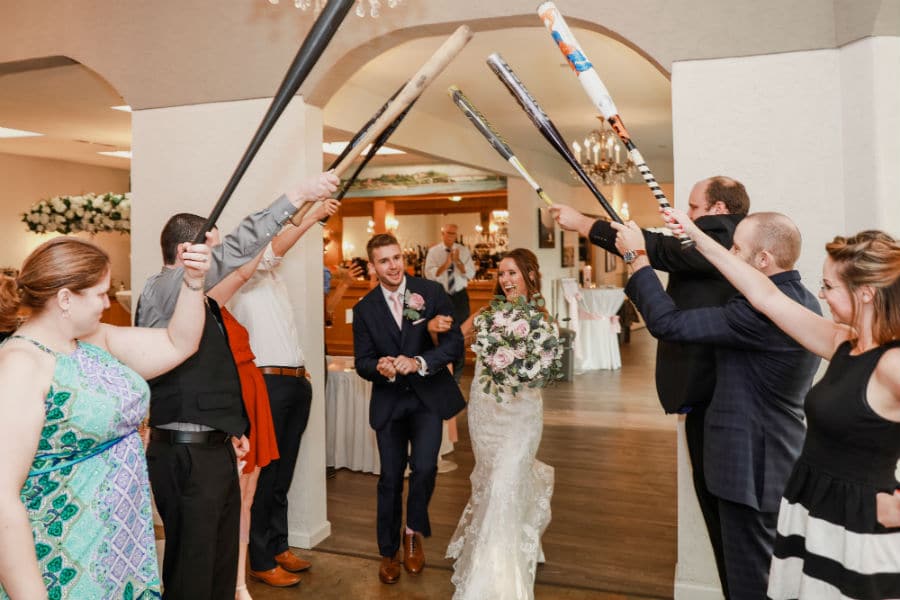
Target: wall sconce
[
  {"x": 479, "y": 229},
  {"x": 391, "y": 223},
  {"x": 370, "y": 226},
  {"x": 348, "y": 249},
  {"x": 625, "y": 214},
  {"x": 493, "y": 228}
]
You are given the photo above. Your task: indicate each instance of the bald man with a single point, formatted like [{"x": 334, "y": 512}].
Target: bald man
[{"x": 755, "y": 425}]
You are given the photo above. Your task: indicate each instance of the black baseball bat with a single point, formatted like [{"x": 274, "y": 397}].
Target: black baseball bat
[
  {"x": 376, "y": 145},
  {"x": 495, "y": 140},
  {"x": 312, "y": 48},
  {"x": 546, "y": 127},
  {"x": 363, "y": 130}
]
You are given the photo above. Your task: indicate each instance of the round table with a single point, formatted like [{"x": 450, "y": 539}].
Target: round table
[{"x": 596, "y": 339}]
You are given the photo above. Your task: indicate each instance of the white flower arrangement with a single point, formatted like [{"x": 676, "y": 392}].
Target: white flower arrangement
[
  {"x": 519, "y": 346},
  {"x": 92, "y": 213}
]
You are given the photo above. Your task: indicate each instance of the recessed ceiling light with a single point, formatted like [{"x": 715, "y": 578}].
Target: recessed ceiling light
[
  {"x": 16, "y": 133},
  {"x": 117, "y": 153},
  {"x": 123, "y": 108},
  {"x": 338, "y": 147},
  {"x": 455, "y": 198}
]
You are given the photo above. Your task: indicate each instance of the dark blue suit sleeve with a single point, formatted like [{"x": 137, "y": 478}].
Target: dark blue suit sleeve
[
  {"x": 364, "y": 354},
  {"x": 735, "y": 325},
  {"x": 450, "y": 343}
]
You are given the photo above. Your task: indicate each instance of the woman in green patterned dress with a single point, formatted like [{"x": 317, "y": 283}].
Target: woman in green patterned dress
[{"x": 75, "y": 518}]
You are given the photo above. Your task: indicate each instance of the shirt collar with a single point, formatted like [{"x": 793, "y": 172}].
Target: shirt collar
[{"x": 400, "y": 290}]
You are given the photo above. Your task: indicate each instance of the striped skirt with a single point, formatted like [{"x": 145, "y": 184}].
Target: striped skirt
[{"x": 830, "y": 545}]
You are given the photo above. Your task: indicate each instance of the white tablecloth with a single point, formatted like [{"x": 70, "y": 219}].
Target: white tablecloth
[
  {"x": 596, "y": 339},
  {"x": 349, "y": 440}
]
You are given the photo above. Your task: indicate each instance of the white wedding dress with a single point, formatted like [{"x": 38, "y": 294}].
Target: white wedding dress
[{"x": 497, "y": 543}]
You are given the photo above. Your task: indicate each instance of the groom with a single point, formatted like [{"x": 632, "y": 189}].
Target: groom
[{"x": 412, "y": 393}]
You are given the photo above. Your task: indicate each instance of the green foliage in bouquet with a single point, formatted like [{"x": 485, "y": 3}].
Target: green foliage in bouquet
[{"x": 519, "y": 346}]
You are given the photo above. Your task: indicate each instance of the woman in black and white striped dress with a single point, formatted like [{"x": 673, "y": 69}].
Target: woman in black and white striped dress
[{"x": 839, "y": 522}]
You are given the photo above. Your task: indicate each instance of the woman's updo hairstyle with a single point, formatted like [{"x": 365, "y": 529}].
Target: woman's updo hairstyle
[
  {"x": 871, "y": 258},
  {"x": 63, "y": 262}
]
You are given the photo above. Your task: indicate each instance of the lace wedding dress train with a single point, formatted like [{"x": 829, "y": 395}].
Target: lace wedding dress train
[{"x": 497, "y": 543}]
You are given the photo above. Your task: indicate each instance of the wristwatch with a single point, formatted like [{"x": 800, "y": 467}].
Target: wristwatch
[{"x": 629, "y": 256}]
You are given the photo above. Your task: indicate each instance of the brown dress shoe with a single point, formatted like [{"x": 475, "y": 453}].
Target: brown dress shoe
[
  {"x": 276, "y": 577},
  {"x": 389, "y": 571},
  {"x": 289, "y": 561},
  {"x": 413, "y": 553}
]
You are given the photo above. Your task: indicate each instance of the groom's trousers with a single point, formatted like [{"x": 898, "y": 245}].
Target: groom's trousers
[{"x": 413, "y": 436}]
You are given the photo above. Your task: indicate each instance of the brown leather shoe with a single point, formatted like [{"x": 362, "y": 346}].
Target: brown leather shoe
[
  {"x": 389, "y": 571},
  {"x": 289, "y": 561},
  {"x": 413, "y": 553},
  {"x": 276, "y": 577}
]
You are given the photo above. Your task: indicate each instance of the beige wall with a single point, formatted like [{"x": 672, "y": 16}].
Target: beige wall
[{"x": 27, "y": 180}]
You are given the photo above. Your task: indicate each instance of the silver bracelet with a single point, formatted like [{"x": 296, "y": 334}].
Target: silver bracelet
[{"x": 193, "y": 288}]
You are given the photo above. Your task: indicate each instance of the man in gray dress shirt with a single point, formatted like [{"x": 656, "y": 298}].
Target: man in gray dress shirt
[{"x": 196, "y": 413}]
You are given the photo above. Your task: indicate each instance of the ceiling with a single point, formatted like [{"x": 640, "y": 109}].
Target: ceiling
[
  {"x": 641, "y": 92},
  {"x": 70, "y": 104}
]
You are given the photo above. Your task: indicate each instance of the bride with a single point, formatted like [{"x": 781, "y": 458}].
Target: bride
[{"x": 497, "y": 542}]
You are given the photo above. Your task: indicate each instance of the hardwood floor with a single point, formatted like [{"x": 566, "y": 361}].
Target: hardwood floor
[{"x": 614, "y": 504}]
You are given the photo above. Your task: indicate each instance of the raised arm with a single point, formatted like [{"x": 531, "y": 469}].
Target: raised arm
[
  {"x": 817, "y": 334},
  {"x": 153, "y": 351},
  {"x": 25, "y": 384}
]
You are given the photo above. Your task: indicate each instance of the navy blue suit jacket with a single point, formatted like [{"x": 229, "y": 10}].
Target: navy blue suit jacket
[
  {"x": 375, "y": 334},
  {"x": 755, "y": 423}
]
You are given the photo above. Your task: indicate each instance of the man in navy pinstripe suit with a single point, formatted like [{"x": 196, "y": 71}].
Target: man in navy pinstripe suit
[{"x": 754, "y": 427}]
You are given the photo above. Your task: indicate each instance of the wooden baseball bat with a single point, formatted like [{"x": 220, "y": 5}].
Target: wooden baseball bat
[
  {"x": 413, "y": 88},
  {"x": 376, "y": 145},
  {"x": 546, "y": 127},
  {"x": 312, "y": 48},
  {"x": 495, "y": 139},
  {"x": 600, "y": 96},
  {"x": 362, "y": 130}
]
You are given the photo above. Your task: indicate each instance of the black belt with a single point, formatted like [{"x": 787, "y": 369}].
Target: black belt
[{"x": 173, "y": 436}]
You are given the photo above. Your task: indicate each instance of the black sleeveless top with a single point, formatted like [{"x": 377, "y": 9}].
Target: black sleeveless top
[{"x": 845, "y": 436}]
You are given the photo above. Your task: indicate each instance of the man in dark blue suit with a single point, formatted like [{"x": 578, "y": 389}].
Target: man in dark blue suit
[
  {"x": 686, "y": 373},
  {"x": 412, "y": 393},
  {"x": 755, "y": 426}
]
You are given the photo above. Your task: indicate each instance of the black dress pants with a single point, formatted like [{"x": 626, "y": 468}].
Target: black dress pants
[
  {"x": 694, "y": 424},
  {"x": 290, "y": 399},
  {"x": 198, "y": 497},
  {"x": 413, "y": 424}
]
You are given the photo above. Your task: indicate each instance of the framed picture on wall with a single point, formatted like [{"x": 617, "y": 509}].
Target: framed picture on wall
[
  {"x": 610, "y": 262},
  {"x": 546, "y": 230},
  {"x": 567, "y": 257}
]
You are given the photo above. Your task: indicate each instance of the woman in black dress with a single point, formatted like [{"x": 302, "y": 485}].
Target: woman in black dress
[{"x": 839, "y": 522}]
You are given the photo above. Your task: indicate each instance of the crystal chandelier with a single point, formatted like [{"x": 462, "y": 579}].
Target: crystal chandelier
[
  {"x": 601, "y": 154},
  {"x": 373, "y": 6}
]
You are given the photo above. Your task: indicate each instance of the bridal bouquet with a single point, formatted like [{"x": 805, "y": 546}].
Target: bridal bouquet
[
  {"x": 89, "y": 212},
  {"x": 518, "y": 345}
]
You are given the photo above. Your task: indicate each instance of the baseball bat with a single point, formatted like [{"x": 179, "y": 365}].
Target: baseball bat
[
  {"x": 599, "y": 95},
  {"x": 413, "y": 88},
  {"x": 312, "y": 48},
  {"x": 495, "y": 139},
  {"x": 362, "y": 130},
  {"x": 546, "y": 127},
  {"x": 376, "y": 145}
]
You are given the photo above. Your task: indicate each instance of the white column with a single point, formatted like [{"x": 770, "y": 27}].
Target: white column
[
  {"x": 812, "y": 135},
  {"x": 183, "y": 157}
]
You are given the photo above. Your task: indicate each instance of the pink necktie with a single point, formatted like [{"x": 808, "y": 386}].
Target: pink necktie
[{"x": 397, "y": 308}]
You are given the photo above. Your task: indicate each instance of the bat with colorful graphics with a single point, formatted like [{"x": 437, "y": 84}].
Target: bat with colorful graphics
[{"x": 599, "y": 95}]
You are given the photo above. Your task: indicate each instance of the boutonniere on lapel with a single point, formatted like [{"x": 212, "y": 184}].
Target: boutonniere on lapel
[{"x": 413, "y": 305}]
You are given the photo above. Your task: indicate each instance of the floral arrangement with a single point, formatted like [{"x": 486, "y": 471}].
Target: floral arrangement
[
  {"x": 413, "y": 304},
  {"x": 90, "y": 212},
  {"x": 519, "y": 345}
]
